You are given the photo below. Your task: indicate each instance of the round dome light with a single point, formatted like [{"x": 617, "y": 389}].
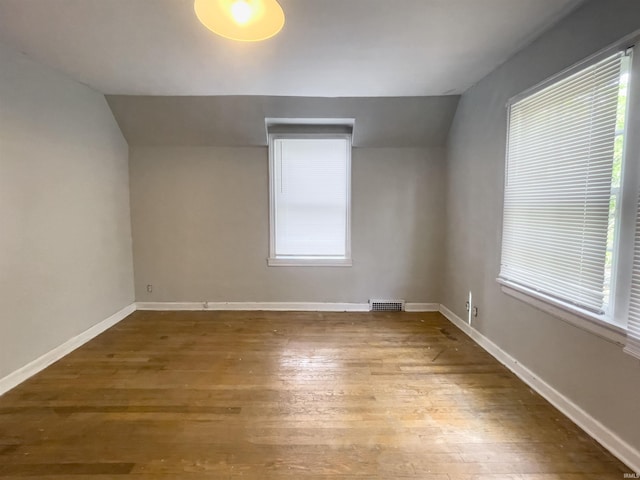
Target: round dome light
[{"x": 242, "y": 20}]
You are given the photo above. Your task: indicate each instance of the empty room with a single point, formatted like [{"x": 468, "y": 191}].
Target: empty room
[{"x": 320, "y": 239}]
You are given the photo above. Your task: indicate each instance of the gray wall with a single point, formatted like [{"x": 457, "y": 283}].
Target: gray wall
[
  {"x": 200, "y": 228},
  {"x": 65, "y": 241},
  {"x": 239, "y": 121},
  {"x": 592, "y": 372}
]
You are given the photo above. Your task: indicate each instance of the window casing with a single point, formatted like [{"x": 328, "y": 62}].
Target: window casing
[
  {"x": 571, "y": 189},
  {"x": 310, "y": 199},
  {"x": 629, "y": 251}
]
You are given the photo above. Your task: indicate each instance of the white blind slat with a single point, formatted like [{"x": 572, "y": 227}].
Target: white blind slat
[{"x": 558, "y": 186}]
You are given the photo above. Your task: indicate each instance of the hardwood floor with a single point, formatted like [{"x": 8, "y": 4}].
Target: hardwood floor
[{"x": 257, "y": 395}]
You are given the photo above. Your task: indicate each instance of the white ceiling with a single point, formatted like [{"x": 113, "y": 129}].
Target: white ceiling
[{"x": 327, "y": 47}]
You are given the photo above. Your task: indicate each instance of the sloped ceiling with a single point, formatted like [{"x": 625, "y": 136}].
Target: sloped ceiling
[
  {"x": 328, "y": 48},
  {"x": 395, "y": 66}
]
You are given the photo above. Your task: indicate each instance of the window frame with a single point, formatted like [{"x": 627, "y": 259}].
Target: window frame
[
  {"x": 628, "y": 196},
  {"x": 305, "y": 261},
  {"x": 614, "y": 327}
]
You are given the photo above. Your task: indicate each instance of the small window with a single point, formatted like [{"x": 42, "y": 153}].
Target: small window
[{"x": 310, "y": 189}]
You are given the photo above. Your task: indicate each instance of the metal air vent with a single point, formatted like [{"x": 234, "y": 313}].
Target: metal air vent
[{"x": 377, "y": 305}]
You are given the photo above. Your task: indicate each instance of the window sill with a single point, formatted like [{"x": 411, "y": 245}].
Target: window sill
[
  {"x": 573, "y": 315},
  {"x": 309, "y": 262}
]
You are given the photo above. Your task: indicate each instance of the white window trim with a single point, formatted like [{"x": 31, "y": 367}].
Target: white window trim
[
  {"x": 309, "y": 262},
  {"x": 628, "y": 196},
  {"x": 613, "y": 329},
  {"x": 306, "y": 261}
]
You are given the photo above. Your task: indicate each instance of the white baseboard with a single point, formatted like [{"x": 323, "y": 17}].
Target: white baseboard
[
  {"x": 277, "y": 306},
  {"x": 421, "y": 307},
  {"x": 15, "y": 378},
  {"x": 608, "y": 439},
  {"x": 253, "y": 306}
]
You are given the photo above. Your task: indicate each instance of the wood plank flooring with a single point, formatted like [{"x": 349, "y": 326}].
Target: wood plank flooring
[{"x": 259, "y": 395}]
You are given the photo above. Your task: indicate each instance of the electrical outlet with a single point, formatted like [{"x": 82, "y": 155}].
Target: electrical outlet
[{"x": 149, "y": 288}]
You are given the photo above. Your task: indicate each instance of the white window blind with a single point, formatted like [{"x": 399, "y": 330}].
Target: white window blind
[
  {"x": 633, "y": 326},
  {"x": 558, "y": 187},
  {"x": 310, "y": 198}
]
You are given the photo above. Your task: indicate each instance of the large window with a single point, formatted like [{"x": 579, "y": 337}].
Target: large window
[
  {"x": 310, "y": 179},
  {"x": 571, "y": 191}
]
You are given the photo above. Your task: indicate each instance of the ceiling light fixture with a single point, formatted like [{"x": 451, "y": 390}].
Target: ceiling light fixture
[{"x": 242, "y": 20}]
